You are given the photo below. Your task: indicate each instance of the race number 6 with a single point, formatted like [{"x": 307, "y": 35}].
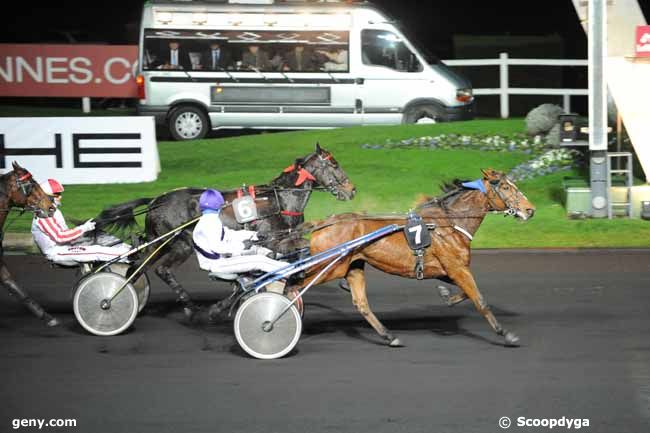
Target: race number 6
[{"x": 245, "y": 209}]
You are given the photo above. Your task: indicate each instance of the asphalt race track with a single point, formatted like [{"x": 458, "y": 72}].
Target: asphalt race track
[{"x": 583, "y": 319}]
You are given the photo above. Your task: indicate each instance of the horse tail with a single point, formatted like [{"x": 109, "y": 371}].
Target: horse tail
[{"x": 121, "y": 217}]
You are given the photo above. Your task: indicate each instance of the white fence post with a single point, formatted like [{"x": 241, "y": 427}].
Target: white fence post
[
  {"x": 503, "y": 78},
  {"x": 504, "y": 91},
  {"x": 567, "y": 103},
  {"x": 85, "y": 104}
]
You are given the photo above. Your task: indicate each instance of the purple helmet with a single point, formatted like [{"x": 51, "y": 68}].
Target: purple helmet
[{"x": 211, "y": 199}]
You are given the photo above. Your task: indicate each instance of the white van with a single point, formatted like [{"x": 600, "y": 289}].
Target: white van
[{"x": 208, "y": 65}]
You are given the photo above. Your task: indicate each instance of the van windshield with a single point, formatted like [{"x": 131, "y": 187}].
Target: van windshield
[{"x": 429, "y": 57}]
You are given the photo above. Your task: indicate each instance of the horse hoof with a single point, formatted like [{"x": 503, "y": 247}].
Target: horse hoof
[
  {"x": 189, "y": 312},
  {"x": 444, "y": 292},
  {"x": 511, "y": 339},
  {"x": 395, "y": 342},
  {"x": 214, "y": 312},
  {"x": 52, "y": 322},
  {"x": 343, "y": 284}
]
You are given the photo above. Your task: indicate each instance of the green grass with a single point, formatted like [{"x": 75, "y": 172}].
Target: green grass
[{"x": 387, "y": 180}]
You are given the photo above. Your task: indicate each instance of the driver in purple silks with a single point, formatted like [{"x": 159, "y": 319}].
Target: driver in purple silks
[{"x": 223, "y": 250}]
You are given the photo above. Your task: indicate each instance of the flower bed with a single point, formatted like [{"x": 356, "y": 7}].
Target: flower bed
[{"x": 545, "y": 160}]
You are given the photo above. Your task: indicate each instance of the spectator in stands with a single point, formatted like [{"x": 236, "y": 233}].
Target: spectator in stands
[
  {"x": 299, "y": 60},
  {"x": 255, "y": 58},
  {"x": 337, "y": 59},
  {"x": 176, "y": 59},
  {"x": 217, "y": 58}
]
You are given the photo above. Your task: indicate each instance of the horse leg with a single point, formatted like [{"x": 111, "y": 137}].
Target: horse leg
[
  {"x": 24, "y": 298},
  {"x": 357, "y": 282},
  {"x": 215, "y": 310},
  {"x": 450, "y": 300},
  {"x": 176, "y": 256},
  {"x": 463, "y": 278}
]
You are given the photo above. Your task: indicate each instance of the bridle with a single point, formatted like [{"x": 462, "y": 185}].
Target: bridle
[
  {"x": 492, "y": 194},
  {"x": 332, "y": 186},
  {"x": 512, "y": 202},
  {"x": 25, "y": 184}
]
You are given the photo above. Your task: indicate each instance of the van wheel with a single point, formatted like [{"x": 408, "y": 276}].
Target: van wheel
[
  {"x": 188, "y": 123},
  {"x": 424, "y": 114}
]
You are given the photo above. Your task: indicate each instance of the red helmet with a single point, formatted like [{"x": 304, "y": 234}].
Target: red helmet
[{"x": 51, "y": 187}]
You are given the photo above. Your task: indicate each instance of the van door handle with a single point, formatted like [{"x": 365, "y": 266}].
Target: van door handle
[
  {"x": 358, "y": 105},
  {"x": 359, "y": 81}
]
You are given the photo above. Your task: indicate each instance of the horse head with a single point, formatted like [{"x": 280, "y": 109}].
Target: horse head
[
  {"x": 24, "y": 192},
  {"x": 503, "y": 195},
  {"x": 323, "y": 170}
]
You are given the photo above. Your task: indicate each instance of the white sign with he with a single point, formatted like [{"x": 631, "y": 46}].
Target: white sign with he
[{"x": 81, "y": 150}]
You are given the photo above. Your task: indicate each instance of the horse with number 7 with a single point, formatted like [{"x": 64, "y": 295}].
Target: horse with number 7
[{"x": 451, "y": 219}]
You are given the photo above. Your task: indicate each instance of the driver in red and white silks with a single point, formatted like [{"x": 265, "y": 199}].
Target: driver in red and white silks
[
  {"x": 54, "y": 238},
  {"x": 222, "y": 250}
]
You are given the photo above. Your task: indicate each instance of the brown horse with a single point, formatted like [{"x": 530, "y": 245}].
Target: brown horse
[
  {"x": 457, "y": 215},
  {"x": 18, "y": 189}
]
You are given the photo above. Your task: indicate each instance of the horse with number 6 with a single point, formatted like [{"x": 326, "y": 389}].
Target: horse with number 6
[
  {"x": 279, "y": 205},
  {"x": 19, "y": 190},
  {"x": 456, "y": 216}
]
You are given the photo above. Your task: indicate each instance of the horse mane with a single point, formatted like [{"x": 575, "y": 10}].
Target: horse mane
[
  {"x": 283, "y": 179},
  {"x": 451, "y": 191}
]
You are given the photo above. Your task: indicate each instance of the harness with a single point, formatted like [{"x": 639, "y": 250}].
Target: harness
[
  {"x": 418, "y": 238},
  {"x": 304, "y": 175},
  {"x": 252, "y": 193}
]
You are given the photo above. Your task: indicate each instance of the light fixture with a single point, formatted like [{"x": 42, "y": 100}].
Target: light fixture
[
  {"x": 270, "y": 20},
  {"x": 164, "y": 17},
  {"x": 199, "y": 18}
]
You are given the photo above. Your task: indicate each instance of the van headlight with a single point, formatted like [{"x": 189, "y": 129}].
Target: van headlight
[{"x": 464, "y": 95}]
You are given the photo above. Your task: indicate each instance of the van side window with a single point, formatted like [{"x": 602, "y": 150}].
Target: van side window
[
  {"x": 231, "y": 50},
  {"x": 384, "y": 48},
  {"x": 185, "y": 54}
]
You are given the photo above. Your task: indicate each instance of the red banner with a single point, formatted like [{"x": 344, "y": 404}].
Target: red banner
[
  {"x": 68, "y": 70},
  {"x": 642, "y": 41}
]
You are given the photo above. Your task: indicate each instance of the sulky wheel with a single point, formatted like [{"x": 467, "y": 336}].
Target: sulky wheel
[
  {"x": 96, "y": 313},
  {"x": 253, "y": 332},
  {"x": 141, "y": 284}
]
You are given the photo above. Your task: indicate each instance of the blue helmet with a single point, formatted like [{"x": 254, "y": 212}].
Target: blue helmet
[{"x": 211, "y": 199}]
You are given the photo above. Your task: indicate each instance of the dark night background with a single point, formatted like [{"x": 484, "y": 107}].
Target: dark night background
[{"x": 451, "y": 29}]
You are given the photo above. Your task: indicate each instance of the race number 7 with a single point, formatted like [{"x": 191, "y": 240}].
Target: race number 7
[{"x": 418, "y": 233}]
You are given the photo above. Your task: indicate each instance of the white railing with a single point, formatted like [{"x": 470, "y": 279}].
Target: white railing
[{"x": 504, "y": 62}]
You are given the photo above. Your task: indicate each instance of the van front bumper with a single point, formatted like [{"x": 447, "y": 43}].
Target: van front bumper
[
  {"x": 159, "y": 112},
  {"x": 465, "y": 112}
]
